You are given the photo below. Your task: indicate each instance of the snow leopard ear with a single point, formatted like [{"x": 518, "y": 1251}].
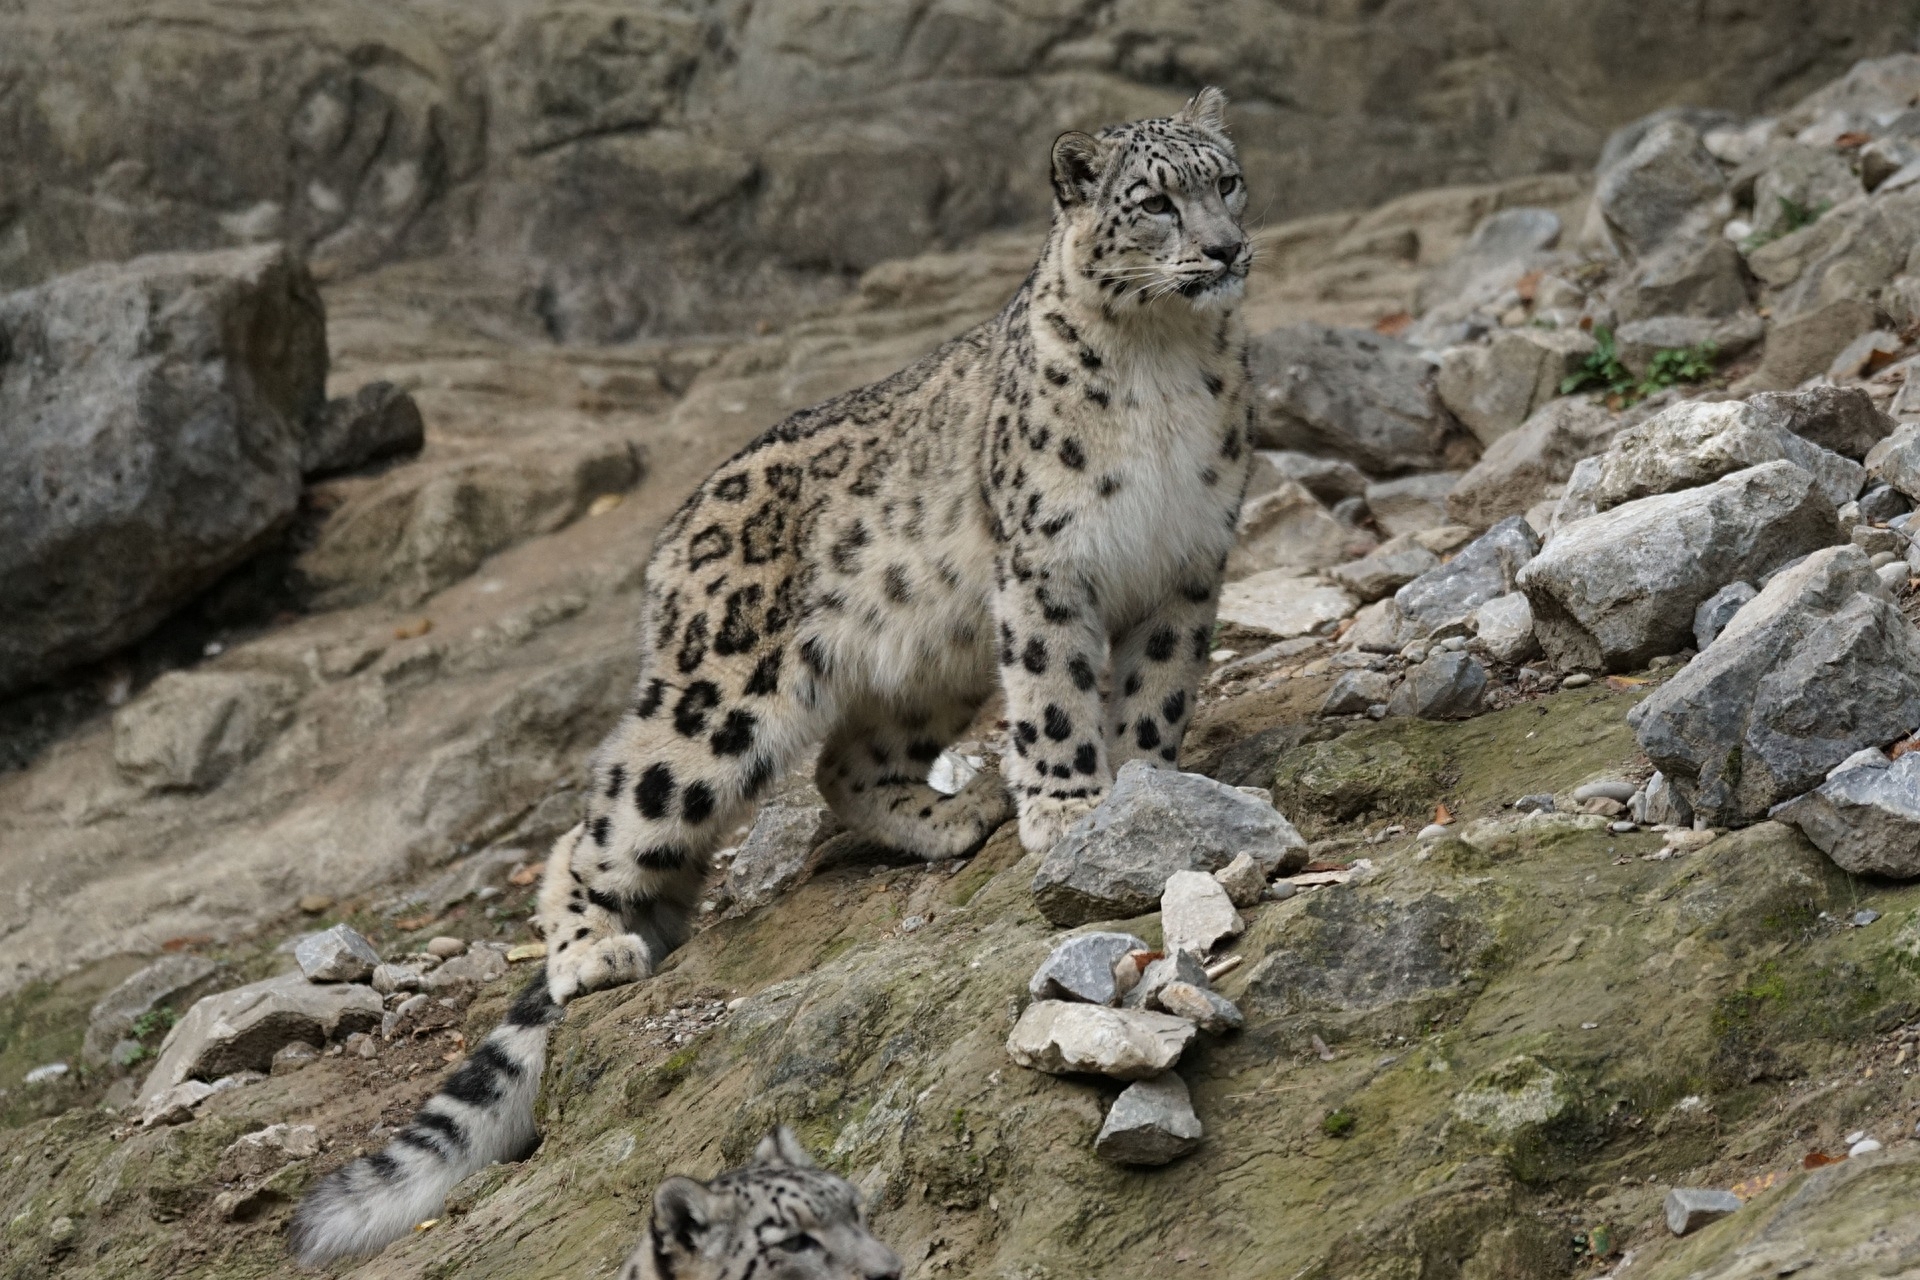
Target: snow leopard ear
[
  {"x": 683, "y": 1212},
  {"x": 1207, "y": 110},
  {"x": 781, "y": 1147},
  {"x": 1078, "y": 159}
]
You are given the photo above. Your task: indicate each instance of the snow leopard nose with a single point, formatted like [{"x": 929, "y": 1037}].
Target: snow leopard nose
[{"x": 1223, "y": 252}]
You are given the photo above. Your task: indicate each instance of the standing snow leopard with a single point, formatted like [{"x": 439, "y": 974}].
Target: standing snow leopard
[{"x": 1042, "y": 506}]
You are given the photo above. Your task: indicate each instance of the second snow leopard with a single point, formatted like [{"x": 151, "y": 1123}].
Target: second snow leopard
[{"x": 1043, "y": 506}]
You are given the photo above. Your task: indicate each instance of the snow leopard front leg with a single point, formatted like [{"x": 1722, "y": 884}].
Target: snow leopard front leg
[
  {"x": 1157, "y": 668},
  {"x": 1052, "y": 649}
]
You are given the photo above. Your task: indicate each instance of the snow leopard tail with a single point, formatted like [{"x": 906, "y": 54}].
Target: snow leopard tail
[{"x": 482, "y": 1114}]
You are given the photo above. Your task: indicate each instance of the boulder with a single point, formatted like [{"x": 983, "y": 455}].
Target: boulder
[
  {"x": 338, "y": 954},
  {"x": 1411, "y": 503},
  {"x": 1510, "y": 475},
  {"x": 1881, "y": 504},
  {"x": 1081, "y": 968},
  {"x": 1503, "y": 628},
  {"x": 1328, "y": 479},
  {"x": 1196, "y": 913},
  {"x": 191, "y": 729},
  {"x": 1385, "y": 569},
  {"x": 1200, "y": 1005},
  {"x": 1114, "y": 862},
  {"x": 1651, "y": 190},
  {"x": 1717, "y": 610},
  {"x": 151, "y": 415},
  {"x": 1690, "y": 1208},
  {"x": 1799, "y": 180},
  {"x": 1817, "y": 666},
  {"x": 1355, "y": 691},
  {"x": 1288, "y": 528},
  {"x": 778, "y": 852},
  {"x": 1493, "y": 388},
  {"x": 1842, "y": 419},
  {"x": 1348, "y": 393},
  {"x": 1803, "y": 345},
  {"x": 240, "y": 1030},
  {"x": 1244, "y": 879},
  {"x": 1283, "y": 604},
  {"x": 1615, "y": 590},
  {"x": 376, "y": 422},
  {"x": 1638, "y": 341},
  {"x": 1895, "y": 461},
  {"x": 1150, "y": 1123},
  {"x": 113, "y": 1016},
  {"x": 1447, "y": 686},
  {"x": 1697, "y": 272},
  {"x": 1695, "y": 442},
  {"x": 1124, "y": 1044},
  {"x": 1488, "y": 566},
  {"x": 1865, "y": 816}
]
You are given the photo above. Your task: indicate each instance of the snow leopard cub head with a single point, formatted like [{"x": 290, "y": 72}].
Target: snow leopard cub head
[
  {"x": 779, "y": 1217},
  {"x": 1153, "y": 208}
]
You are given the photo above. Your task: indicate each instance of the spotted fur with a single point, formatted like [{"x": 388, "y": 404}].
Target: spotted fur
[
  {"x": 777, "y": 1218},
  {"x": 1042, "y": 506}
]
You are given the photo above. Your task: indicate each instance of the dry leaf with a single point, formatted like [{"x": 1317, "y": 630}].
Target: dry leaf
[
  {"x": 527, "y": 874},
  {"x": 188, "y": 940},
  {"x": 527, "y": 951},
  {"x": 413, "y": 630},
  {"x": 1528, "y": 285},
  {"x": 1748, "y": 1188},
  {"x": 1393, "y": 324},
  {"x": 1442, "y": 815},
  {"x": 1625, "y": 682},
  {"x": 1819, "y": 1160},
  {"x": 414, "y": 922},
  {"x": 1852, "y": 138}
]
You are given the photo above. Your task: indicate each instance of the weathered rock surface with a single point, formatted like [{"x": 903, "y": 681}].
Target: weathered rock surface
[
  {"x": 153, "y": 416},
  {"x": 1114, "y": 862},
  {"x": 779, "y": 850},
  {"x": 1543, "y": 450},
  {"x": 1202, "y": 1006},
  {"x": 1150, "y": 1123},
  {"x": 113, "y": 1016},
  {"x": 1244, "y": 879},
  {"x": 1487, "y": 567},
  {"x": 1177, "y": 965},
  {"x": 1081, "y": 968},
  {"x": 1387, "y": 568},
  {"x": 1493, "y": 388},
  {"x": 1348, "y": 393},
  {"x": 1690, "y": 1208},
  {"x": 1123, "y": 1044},
  {"x": 1446, "y": 686},
  {"x": 1503, "y": 628},
  {"x": 1328, "y": 479},
  {"x": 1283, "y": 604},
  {"x": 338, "y": 954},
  {"x": 191, "y": 729},
  {"x": 1196, "y": 913},
  {"x": 1717, "y": 610},
  {"x": 1411, "y": 504},
  {"x": 239, "y": 1030},
  {"x": 1895, "y": 461},
  {"x": 1619, "y": 588},
  {"x": 1288, "y": 528},
  {"x": 1866, "y": 818},
  {"x": 482, "y": 963},
  {"x": 1355, "y": 691},
  {"x": 257, "y": 1154},
  {"x": 1650, "y": 192},
  {"x": 1637, "y": 342},
  {"x": 376, "y": 422},
  {"x": 1818, "y": 665}
]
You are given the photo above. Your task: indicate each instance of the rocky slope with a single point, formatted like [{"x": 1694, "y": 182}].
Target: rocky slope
[{"x": 1570, "y": 628}]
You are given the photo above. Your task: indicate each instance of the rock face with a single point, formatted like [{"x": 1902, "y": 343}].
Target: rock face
[
  {"x": 1493, "y": 388},
  {"x": 1348, "y": 393},
  {"x": 1081, "y": 968},
  {"x": 191, "y": 729},
  {"x": 1114, "y": 862},
  {"x": 1541, "y": 451},
  {"x": 1487, "y": 567},
  {"x": 1150, "y": 1123},
  {"x": 1817, "y": 666},
  {"x": 1865, "y": 817},
  {"x": 1124, "y": 1044},
  {"x": 1842, "y": 419},
  {"x": 239, "y": 1030},
  {"x": 1617, "y": 589},
  {"x": 377, "y": 421},
  {"x": 151, "y": 414},
  {"x": 1694, "y": 443},
  {"x": 112, "y": 1019}
]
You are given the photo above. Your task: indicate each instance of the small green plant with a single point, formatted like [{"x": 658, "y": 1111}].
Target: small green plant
[
  {"x": 1793, "y": 216},
  {"x": 1671, "y": 366},
  {"x": 1338, "y": 1124},
  {"x": 1601, "y": 370},
  {"x": 154, "y": 1022}
]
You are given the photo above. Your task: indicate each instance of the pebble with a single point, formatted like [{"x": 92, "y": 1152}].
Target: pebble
[
  {"x": 1620, "y": 828},
  {"x": 1605, "y": 789},
  {"x": 1864, "y": 917},
  {"x": 913, "y": 924},
  {"x": 1195, "y": 912},
  {"x": 1206, "y": 1009},
  {"x": 1578, "y": 680},
  {"x": 1280, "y": 891},
  {"x": 1150, "y": 1123},
  {"x": 1866, "y": 1146},
  {"x": 315, "y": 903},
  {"x": 389, "y": 978},
  {"x": 446, "y": 947},
  {"x": 338, "y": 954},
  {"x": 1538, "y": 802},
  {"x": 527, "y": 951},
  {"x": 1432, "y": 831},
  {"x": 293, "y": 1056},
  {"x": 47, "y": 1074},
  {"x": 1690, "y": 1208},
  {"x": 362, "y": 1045}
]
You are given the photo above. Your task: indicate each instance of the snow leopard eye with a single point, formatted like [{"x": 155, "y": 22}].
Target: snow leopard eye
[
  {"x": 1229, "y": 183},
  {"x": 1157, "y": 204}
]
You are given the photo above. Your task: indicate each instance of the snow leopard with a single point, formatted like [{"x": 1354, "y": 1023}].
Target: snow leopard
[{"x": 1042, "y": 507}]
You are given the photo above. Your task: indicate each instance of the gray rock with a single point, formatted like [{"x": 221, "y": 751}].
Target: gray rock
[
  {"x": 1665, "y": 805},
  {"x": 1866, "y": 818},
  {"x": 1288, "y": 528},
  {"x": 1696, "y": 272},
  {"x": 1329, "y": 479},
  {"x": 1447, "y": 686},
  {"x": 1542, "y": 451},
  {"x": 1650, "y": 192},
  {"x": 1815, "y": 179},
  {"x": 256, "y": 1154},
  {"x": 1605, "y": 789},
  {"x": 241, "y": 1029},
  {"x": 1503, "y": 628},
  {"x": 1124, "y": 1044},
  {"x": 1355, "y": 691},
  {"x": 338, "y": 954},
  {"x": 1081, "y": 968},
  {"x": 1387, "y": 568},
  {"x": 1244, "y": 880},
  {"x": 1196, "y": 913},
  {"x": 1114, "y": 862},
  {"x": 1638, "y": 341},
  {"x": 1493, "y": 388},
  {"x": 1284, "y": 604},
  {"x": 1691, "y": 1208},
  {"x": 1817, "y": 666},
  {"x": 378, "y": 421},
  {"x": 190, "y": 729},
  {"x": 1501, "y": 248},
  {"x": 1895, "y": 460},
  {"x": 1621, "y": 142},
  {"x": 1349, "y": 393},
  {"x": 1615, "y": 590},
  {"x": 113, "y": 1015},
  {"x": 1411, "y": 503},
  {"x": 295, "y": 1055},
  {"x": 1696, "y": 442},
  {"x": 1487, "y": 567},
  {"x": 778, "y": 852},
  {"x": 1175, "y": 966},
  {"x": 1537, "y": 802},
  {"x": 1883, "y": 503},
  {"x": 1150, "y": 1123},
  {"x": 1202, "y": 1006},
  {"x": 1717, "y": 610},
  {"x": 150, "y": 415},
  {"x": 482, "y": 963}
]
